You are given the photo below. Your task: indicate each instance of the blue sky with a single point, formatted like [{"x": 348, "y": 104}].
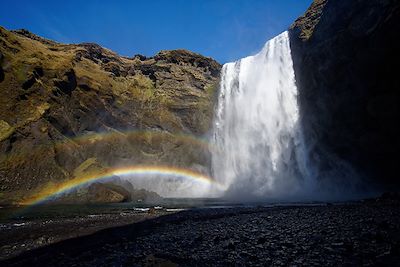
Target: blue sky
[{"x": 223, "y": 29}]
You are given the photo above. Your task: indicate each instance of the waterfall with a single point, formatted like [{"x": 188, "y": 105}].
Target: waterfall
[{"x": 259, "y": 148}]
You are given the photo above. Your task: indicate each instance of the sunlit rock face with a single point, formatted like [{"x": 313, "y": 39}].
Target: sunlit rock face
[
  {"x": 259, "y": 146},
  {"x": 346, "y": 60},
  {"x": 61, "y": 105}
]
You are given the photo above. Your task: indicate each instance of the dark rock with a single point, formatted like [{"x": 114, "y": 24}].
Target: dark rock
[
  {"x": 187, "y": 57},
  {"x": 216, "y": 240},
  {"x": 95, "y": 193},
  {"x": 68, "y": 83},
  {"x": 140, "y": 57},
  {"x": 175, "y": 238},
  {"x": 114, "y": 68},
  {"x": 85, "y": 83},
  {"x": 36, "y": 74},
  {"x": 29, "y": 83},
  {"x": 346, "y": 59},
  {"x": 97, "y": 54},
  {"x": 61, "y": 123},
  {"x": 229, "y": 245},
  {"x": 150, "y": 71},
  {"x": 93, "y": 52},
  {"x": 261, "y": 240},
  {"x": 390, "y": 196},
  {"x": 2, "y": 75},
  {"x": 35, "y": 37}
]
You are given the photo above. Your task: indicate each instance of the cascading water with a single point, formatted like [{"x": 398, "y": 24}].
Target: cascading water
[{"x": 257, "y": 135}]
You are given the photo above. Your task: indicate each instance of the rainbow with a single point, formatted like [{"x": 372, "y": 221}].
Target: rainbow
[{"x": 52, "y": 191}]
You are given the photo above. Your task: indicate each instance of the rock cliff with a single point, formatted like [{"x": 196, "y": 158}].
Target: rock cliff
[
  {"x": 346, "y": 59},
  {"x": 62, "y": 104}
]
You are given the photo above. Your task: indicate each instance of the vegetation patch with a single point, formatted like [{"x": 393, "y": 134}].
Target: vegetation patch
[{"x": 5, "y": 130}]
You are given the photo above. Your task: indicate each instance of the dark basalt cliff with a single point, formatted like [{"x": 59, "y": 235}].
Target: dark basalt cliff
[
  {"x": 346, "y": 59},
  {"x": 68, "y": 109}
]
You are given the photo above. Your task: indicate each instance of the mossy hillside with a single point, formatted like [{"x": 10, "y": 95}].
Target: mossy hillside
[{"x": 65, "y": 104}]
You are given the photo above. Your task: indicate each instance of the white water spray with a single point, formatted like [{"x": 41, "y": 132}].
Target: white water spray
[{"x": 260, "y": 149}]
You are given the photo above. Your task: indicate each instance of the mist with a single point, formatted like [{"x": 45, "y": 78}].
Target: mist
[{"x": 262, "y": 152}]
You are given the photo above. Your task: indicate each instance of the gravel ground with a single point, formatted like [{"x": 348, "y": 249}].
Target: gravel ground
[
  {"x": 17, "y": 237},
  {"x": 358, "y": 234}
]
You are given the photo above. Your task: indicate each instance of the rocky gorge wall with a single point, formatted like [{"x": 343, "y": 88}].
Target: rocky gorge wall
[
  {"x": 346, "y": 60},
  {"x": 70, "y": 109}
]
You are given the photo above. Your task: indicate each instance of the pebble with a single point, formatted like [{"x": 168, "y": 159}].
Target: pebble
[{"x": 328, "y": 235}]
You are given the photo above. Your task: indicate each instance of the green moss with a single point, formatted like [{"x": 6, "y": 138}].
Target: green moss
[
  {"x": 5, "y": 130},
  {"x": 36, "y": 114},
  {"x": 306, "y": 33},
  {"x": 143, "y": 88},
  {"x": 212, "y": 92},
  {"x": 89, "y": 165},
  {"x": 20, "y": 73}
]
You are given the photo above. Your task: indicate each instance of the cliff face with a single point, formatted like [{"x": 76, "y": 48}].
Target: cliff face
[
  {"x": 346, "y": 59},
  {"x": 61, "y": 105}
]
